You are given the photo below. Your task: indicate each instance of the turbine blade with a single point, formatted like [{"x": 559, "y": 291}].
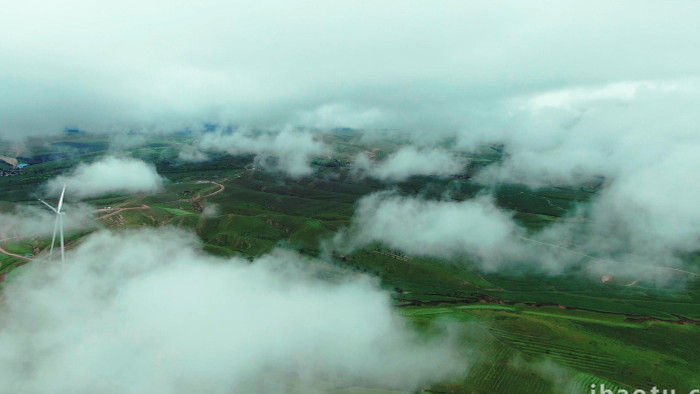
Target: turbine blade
[
  {"x": 53, "y": 238},
  {"x": 47, "y": 204},
  {"x": 60, "y": 200},
  {"x": 63, "y": 249}
]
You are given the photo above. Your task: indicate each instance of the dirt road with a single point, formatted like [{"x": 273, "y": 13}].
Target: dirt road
[
  {"x": 221, "y": 189},
  {"x": 116, "y": 211},
  {"x": 3, "y": 251}
]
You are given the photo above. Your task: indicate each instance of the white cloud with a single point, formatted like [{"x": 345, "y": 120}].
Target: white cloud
[
  {"x": 645, "y": 219},
  {"x": 287, "y": 150},
  {"x": 108, "y": 175},
  {"x": 30, "y": 221},
  {"x": 634, "y": 233},
  {"x": 151, "y": 65},
  {"x": 328, "y": 116},
  {"x": 409, "y": 161},
  {"x": 571, "y": 103},
  {"x": 210, "y": 210},
  {"x": 569, "y": 97},
  {"x": 447, "y": 229},
  {"x": 147, "y": 311},
  {"x": 192, "y": 154},
  {"x": 641, "y": 140},
  {"x": 593, "y": 134}
]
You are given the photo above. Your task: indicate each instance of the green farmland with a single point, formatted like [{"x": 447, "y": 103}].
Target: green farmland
[{"x": 529, "y": 332}]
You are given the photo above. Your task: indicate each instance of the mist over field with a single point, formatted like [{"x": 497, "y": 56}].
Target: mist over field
[
  {"x": 108, "y": 175},
  {"x": 640, "y": 140},
  {"x": 147, "y": 310},
  {"x": 299, "y": 196},
  {"x": 29, "y": 221},
  {"x": 408, "y": 162},
  {"x": 443, "y": 229},
  {"x": 292, "y": 150}
]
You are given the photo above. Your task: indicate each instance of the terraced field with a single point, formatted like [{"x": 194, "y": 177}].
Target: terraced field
[{"x": 534, "y": 333}]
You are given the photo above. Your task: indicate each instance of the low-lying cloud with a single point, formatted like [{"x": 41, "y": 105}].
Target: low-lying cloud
[
  {"x": 36, "y": 221},
  {"x": 288, "y": 150},
  {"x": 410, "y": 161},
  {"x": 192, "y": 154},
  {"x": 567, "y": 103},
  {"x": 148, "y": 311},
  {"x": 569, "y": 136},
  {"x": 446, "y": 229},
  {"x": 108, "y": 175},
  {"x": 211, "y": 210},
  {"x": 640, "y": 139},
  {"x": 611, "y": 240}
]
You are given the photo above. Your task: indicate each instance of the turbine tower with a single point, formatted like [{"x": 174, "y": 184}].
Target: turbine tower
[{"x": 58, "y": 225}]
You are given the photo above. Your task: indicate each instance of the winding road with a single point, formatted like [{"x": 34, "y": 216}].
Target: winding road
[
  {"x": 221, "y": 189},
  {"x": 112, "y": 212},
  {"x": 3, "y": 251}
]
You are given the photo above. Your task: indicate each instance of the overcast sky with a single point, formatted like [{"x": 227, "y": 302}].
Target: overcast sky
[
  {"x": 399, "y": 64},
  {"x": 577, "y": 91}
]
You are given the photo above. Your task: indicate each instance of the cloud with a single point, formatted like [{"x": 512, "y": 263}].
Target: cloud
[
  {"x": 447, "y": 229},
  {"x": 573, "y": 136},
  {"x": 409, "y": 161},
  {"x": 562, "y": 379},
  {"x": 30, "y": 221},
  {"x": 328, "y": 116},
  {"x": 640, "y": 140},
  {"x": 123, "y": 142},
  {"x": 287, "y": 150},
  {"x": 629, "y": 242},
  {"x": 572, "y": 97},
  {"x": 108, "y": 175},
  {"x": 192, "y": 155},
  {"x": 210, "y": 210},
  {"x": 642, "y": 220},
  {"x": 569, "y": 103},
  {"x": 146, "y": 310},
  {"x": 310, "y": 62}
]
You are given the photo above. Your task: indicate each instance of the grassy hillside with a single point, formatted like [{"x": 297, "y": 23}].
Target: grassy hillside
[{"x": 532, "y": 332}]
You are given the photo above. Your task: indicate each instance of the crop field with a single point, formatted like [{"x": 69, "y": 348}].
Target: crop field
[
  {"x": 581, "y": 351},
  {"x": 586, "y": 331}
]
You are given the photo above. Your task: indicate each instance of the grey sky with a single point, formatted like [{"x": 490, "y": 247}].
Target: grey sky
[
  {"x": 574, "y": 90},
  {"x": 417, "y": 64}
]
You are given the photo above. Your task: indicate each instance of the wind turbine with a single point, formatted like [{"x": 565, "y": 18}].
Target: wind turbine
[{"x": 58, "y": 224}]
